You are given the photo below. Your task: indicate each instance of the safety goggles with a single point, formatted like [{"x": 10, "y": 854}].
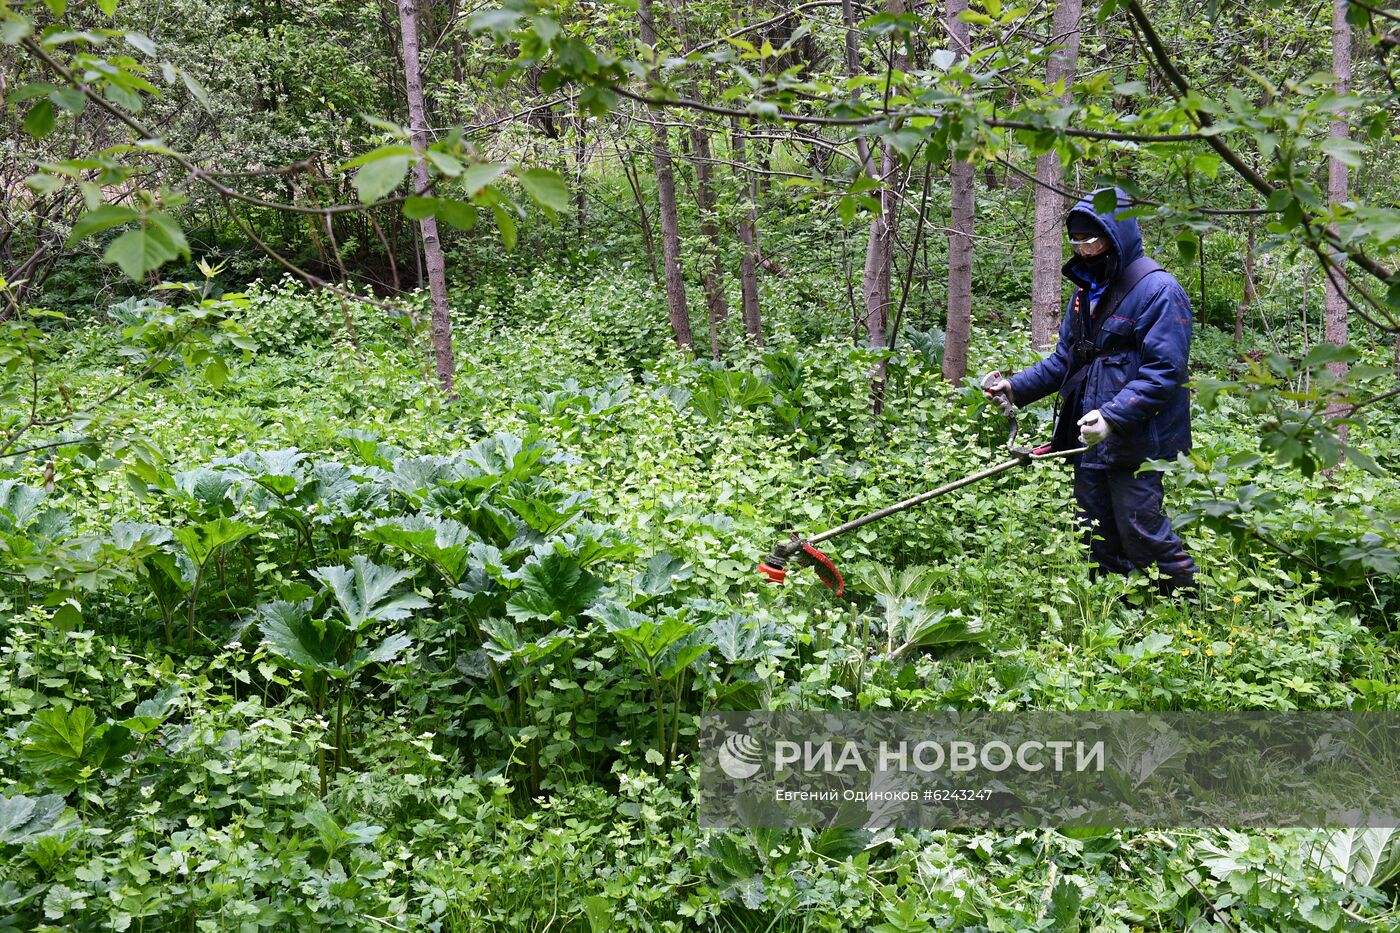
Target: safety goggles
[{"x": 1088, "y": 246}]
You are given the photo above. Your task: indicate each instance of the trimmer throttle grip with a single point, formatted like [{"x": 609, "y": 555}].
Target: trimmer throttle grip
[{"x": 1000, "y": 399}]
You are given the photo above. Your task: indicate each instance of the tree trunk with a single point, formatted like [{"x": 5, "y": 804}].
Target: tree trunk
[
  {"x": 629, "y": 169},
  {"x": 1050, "y": 205},
  {"x": 964, "y": 187},
  {"x": 1335, "y": 315},
  {"x": 1250, "y": 294},
  {"x": 670, "y": 220},
  {"x": 580, "y": 170},
  {"x": 717, "y": 307},
  {"x": 879, "y": 250},
  {"x": 875, "y": 282},
  {"x": 748, "y": 234},
  {"x": 432, "y": 248},
  {"x": 848, "y": 17}
]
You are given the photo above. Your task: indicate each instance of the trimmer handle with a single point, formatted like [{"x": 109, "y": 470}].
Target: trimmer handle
[
  {"x": 1003, "y": 403},
  {"x": 1002, "y": 400}
]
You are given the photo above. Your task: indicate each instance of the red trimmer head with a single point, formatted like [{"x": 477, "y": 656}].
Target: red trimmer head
[{"x": 774, "y": 566}]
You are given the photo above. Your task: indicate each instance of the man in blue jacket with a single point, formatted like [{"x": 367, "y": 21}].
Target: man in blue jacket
[{"x": 1120, "y": 371}]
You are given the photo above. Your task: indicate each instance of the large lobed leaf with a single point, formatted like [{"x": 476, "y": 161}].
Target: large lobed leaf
[{"x": 364, "y": 592}]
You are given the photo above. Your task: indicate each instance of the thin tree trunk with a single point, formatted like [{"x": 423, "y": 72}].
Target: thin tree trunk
[
  {"x": 879, "y": 250},
  {"x": 432, "y": 248},
  {"x": 717, "y": 307},
  {"x": 875, "y": 281},
  {"x": 629, "y": 169},
  {"x": 1250, "y": 293},
  {"x": 1050, "y": 205},
  {"x": 670, "y": 219},
  {"x": 963, "y": 183},
  {"x": 748, "y": 235},
  {"x": 580, "y": 169},
  {"x": 1334, "y": 324},
  {"x": 848, "y": 18}
]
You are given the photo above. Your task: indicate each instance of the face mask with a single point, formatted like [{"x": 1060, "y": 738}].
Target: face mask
[{"x": 1100, "y": 268}]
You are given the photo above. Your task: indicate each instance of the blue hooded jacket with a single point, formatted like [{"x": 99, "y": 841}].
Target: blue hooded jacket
[{"x": 1137, "y": 379}]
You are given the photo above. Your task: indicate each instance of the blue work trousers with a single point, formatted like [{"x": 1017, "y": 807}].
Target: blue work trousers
[{"x": 1125, "y": 526}]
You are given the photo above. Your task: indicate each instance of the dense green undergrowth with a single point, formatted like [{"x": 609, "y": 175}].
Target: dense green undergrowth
[{"x": 350, "y": 656}]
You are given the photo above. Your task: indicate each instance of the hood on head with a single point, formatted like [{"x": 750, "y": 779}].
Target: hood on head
[{"x": 1123, "y": 232}]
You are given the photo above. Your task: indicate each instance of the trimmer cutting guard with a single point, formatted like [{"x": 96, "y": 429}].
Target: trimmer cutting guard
[
  {"x": 775, "y": 568},
  {"x": 826, "y": 570}
]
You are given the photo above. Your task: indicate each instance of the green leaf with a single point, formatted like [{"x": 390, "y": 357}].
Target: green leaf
[
  {"x": 140, "y": 250},
  {"x": 44, "y": 184},
  {"x": 1344, "y": 150},
  {"x": 1207, "y": 163},
  {"x": 441, "y": 542},
  {"x": 26, "y": 819},
  {"x": 375, "y": 155},
  {"x": 13, "y": 28},
  {"x": 377, "y": 178},
  {"x": 444, "y": 163},
  {"x": 195, "y": 88},
  {"x": 481, "y": 174},
  {"x": 458, "y": 214},
  {"x": 419, "y": 208},
  {"x": 141, "y": 43},
  {"x": 663, "y": 571},
  {"x": 1324, "y": 353},
  {"x": 290, "y": 634},
  {"x": 1186, "y": 247},
  {"x": 497, "y": 22},
  {"x": 39, "y": 122},
  {"x": 546, "y": 28},
  {"x": 152, "y": 713},
  {"x": 648, "y": 639},
  {"x": 506, "y": 225},
  {"x": 1365, "y": 857},
  {"x": 58, "y": 736},
  {"x": 545, "y": 188},
  {"x": 387, "y": 650},
  {"x": 846, "y": 208},
  {"x": 201, "y": 541},
  {"x": 554, "y": 588},
  {"x": 103, "y": 218},
  {"x": 107, "y": 6},
  {"x": 68, "y": 99},
  {"x": 363, "y": 592},
  {"x": 1065, "y": 901}
]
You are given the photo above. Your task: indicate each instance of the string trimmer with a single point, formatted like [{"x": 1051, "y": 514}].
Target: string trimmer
[{"x": 804, "y": 550}]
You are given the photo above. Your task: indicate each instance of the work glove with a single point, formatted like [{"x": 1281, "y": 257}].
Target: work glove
[
  {"x": 1093, "y": 428},
  {"x": 998, "y": 389}
]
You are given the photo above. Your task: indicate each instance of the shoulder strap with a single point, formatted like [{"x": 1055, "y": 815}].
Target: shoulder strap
[{"x": 1139, "y": 269}]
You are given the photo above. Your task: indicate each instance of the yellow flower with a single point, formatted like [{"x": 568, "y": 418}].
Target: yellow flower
[
  {"x": 1239, "y": 599},
  {"x": 1210, "y": 652},
  {"x": 1185, "y": 652}
]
